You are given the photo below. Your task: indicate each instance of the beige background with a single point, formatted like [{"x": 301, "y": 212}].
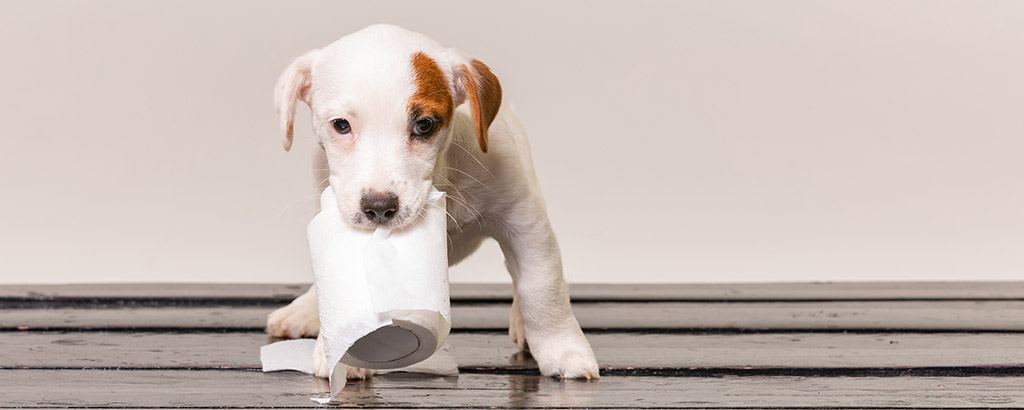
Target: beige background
[{"x": 676, "y": 141}]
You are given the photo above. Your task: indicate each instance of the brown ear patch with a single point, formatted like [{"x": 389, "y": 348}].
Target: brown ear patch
[
  {"x": 433, "y": 96},
  {"x": 484, "y": 92}
]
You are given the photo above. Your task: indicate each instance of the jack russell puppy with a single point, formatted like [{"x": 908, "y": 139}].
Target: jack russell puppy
[{"x": 394, "y": 113}]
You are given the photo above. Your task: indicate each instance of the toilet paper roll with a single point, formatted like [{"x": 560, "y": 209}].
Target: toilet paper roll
[
  {"x": 382, "y": 294},
  {"x": 295, "y": 355}
]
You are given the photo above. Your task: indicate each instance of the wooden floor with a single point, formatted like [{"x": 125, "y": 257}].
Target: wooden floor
[{"x": 795, "y": 346}]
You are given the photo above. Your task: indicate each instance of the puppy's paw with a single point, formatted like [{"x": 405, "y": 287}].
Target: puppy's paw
[
  {"x": 566, "y": 357},
  {"x": 320, "y": 366},
  {"x": 323, "y": 370},
  {"x": 294, "y": 321},
  {"x": 355, "y": 373},
  {"x": 517, "y": 328}
]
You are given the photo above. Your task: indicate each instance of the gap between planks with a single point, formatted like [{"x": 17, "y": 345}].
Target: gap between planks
[
  {"x": 946, "y": 316},
  {"x": 882, "y": 355}
]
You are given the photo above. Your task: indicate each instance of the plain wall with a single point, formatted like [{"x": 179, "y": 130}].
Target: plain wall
[{"x": 676, "y": 141}]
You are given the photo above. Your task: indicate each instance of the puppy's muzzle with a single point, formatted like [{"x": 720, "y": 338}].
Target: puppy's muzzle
[{"x": 380, "y": 207}]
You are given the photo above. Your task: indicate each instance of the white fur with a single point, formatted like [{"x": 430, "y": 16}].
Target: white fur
[{"x": 366, "y": 77}]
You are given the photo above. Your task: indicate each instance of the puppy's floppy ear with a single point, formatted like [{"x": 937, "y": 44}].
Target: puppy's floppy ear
[
  {"x": 294, "y": 84},
  {"x": 475, "y": 83}
]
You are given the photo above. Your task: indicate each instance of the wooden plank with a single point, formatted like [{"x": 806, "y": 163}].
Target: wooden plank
[
  {"x": 879, "y": 291},
  {"x": 829, "y": 316},
  {"x": 815, "y": 291},
  {"x": 615, "y": 351},
  {"x": 997, "y": 315},
  {"x": 165, "y": 290},
  {"x": 239, "y": 389}
]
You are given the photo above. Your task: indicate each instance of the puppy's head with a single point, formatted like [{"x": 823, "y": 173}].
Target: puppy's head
[{"x": 382, "y": 101}]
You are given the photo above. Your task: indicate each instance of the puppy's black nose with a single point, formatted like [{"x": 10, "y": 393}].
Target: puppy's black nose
[{"x": 380, "y": 207}]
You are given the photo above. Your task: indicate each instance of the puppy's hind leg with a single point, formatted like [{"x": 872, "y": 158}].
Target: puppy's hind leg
[{"x": 299, "y": 319}]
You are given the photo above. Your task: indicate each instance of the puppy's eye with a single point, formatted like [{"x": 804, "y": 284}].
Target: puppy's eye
[
  {"x": 423, "y": 127},
  {"x": 341, "y": 125}
]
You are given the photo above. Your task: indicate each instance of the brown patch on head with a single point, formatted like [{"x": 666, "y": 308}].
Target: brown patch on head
[
  {"x": 484, "y": 92},
  {"x": 433, "y": 98}
]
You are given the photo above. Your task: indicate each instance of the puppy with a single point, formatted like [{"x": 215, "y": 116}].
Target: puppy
[{"x": 394, "y": 113}]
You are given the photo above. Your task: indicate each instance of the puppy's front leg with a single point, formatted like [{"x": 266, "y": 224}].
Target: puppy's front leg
[
  {"x": 535, "y": 263},
  {"x": 299, "y": 319},
  {"x": 516, "y": 327}
]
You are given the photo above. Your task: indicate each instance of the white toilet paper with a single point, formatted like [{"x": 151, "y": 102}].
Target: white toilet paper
[
  {"x": 296, "y": 355},
  {"x": 382, "y": 295}
]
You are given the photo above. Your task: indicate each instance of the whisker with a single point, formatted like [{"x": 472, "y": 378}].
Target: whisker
[
  {"x": 472, "y": 210},
  {"x": 471, "y": 176},
  {"x": 446, "y": 180},
  {"x": 451, "y": 216},
  {"x": 449, "y": 182},
  {"x": 457, "y": 190},
  {"x": 457, "y": 226},
  {"x": 316, "y": 196},
  {"x": 470, "y": 154}
]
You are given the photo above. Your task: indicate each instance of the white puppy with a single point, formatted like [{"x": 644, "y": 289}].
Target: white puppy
[{"x": 389, "y": 116}]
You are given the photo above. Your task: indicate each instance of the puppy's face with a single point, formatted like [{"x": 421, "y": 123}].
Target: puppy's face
[
  {"x": 382, "y": 119},
  {"x": 382, "y": 101}
]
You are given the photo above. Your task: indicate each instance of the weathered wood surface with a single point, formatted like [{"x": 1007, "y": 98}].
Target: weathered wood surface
[
  {"x": 831, "y": 316},
  {"x": 828, "y": 352},
  {"x": 787, "y": 346},
  {"x": 827, "y": 291},
  {"x": 240, "y": 389},
  {"x": 157, "y": 290},
  {"x": 718, "y": 292}
]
